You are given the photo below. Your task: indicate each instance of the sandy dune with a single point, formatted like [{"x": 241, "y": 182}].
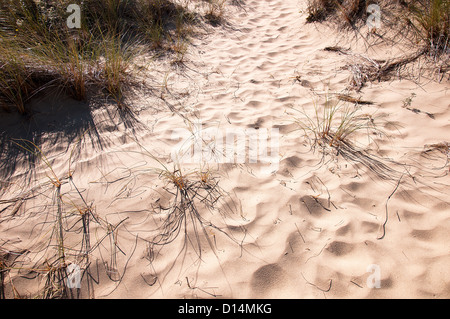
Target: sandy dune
[{"x": 318, "y": 226}]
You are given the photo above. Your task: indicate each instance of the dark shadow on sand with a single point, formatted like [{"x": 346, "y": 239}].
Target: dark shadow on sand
[{"x": 59, "y": 122}]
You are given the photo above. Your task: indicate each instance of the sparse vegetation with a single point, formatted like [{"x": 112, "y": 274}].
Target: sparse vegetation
[
  {"x": 429, "y": 20},
  {"x": 69, "y": 231},
  {"x": 174, "y": 214},
  {"x": 215, "y": 10},
  {"x": 334, "y": 123},
  {"x": 340, "y": 128},
  {"x": 420, "y": 28},
  {"x": 345, "y": 10},
  {"x": 63, "y": 234},
  {"x": 189, "y": 190},
  {"x": 38, "y": 51}
]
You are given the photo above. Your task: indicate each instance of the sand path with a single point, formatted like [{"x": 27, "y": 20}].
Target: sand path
[{"x": 313, "y": 228}]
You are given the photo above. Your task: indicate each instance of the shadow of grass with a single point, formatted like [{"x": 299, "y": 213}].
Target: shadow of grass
[{"x": 56, "y": 123}]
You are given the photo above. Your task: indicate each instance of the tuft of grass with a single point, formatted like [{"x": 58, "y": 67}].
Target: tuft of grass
[
  {"x": 183, "y": 217},
  {"x": 432, "y": 21},
  {"x": 215, "y": 10},
  {"x": 341, "y": 129},
  {"x": 349, "y": 11},
  {"x": 64, "y": 236},
  {"x": 179, "y": 47},
  {"x": 335, "y": 123},
  {"x": 162, "y": 21},
  {"x": 38, "y": 50},
  {"x": 318, "y": 10},
  {"x": 67, "y": 64},
  {"x": 182, "y": 220},
  {"x": 116, "y": 68},
  {"x": 16, "y": 84}
]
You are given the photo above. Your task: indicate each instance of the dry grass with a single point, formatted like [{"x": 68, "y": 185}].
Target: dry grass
[
  {"x": 190, "y": 192},
  {"x": 335, "y": 122},
  {"x": 65, "y": 230},
  {"x": 349, "y": 11},
  {"x": 215, "y": 11},
  {"x": 431, "y": 19},
  {"x": 185, "y": 228},
  {"x": 38, "y": 50},
  {"x": 425, "y": 23},
  {"x": 418, "y": 27},
  {"x": 337, "y": 126}
]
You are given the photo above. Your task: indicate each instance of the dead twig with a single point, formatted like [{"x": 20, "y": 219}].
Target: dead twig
[{"x": 386, "y": 206}]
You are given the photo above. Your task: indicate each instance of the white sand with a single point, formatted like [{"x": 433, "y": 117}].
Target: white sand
[{"x": 312, "y": 229}]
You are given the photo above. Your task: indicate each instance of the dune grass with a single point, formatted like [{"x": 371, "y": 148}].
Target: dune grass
[
  {"x": 16, "y": 83},
  {"x": 38, "y": 50},
  {"x": 419, "y": 28},
  {"x": 68, "y": 231},
  {"x": 336, "y": 127},
  {"x": 215, "y": 10},
  {"x": 334, "y": 123},
  {"x": 347, "y": 10},
  {"x": 429, "y": 19},
  {"x": 184, "y": 226},
  {"x": 189, "y": 189}
]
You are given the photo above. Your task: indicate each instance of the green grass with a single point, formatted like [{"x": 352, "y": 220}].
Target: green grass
[
  {"x": 38, "y": 50},
  {"x": 348, "y": 11},
  {"x": 62, "y": 236},
  {"x": 16, "y": 84},
  {"x": 334, "y": 123},
  {"x": 431, "y": 19}
]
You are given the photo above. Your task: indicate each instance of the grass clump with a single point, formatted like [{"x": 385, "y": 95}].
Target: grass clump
[
  {"x": 65, "y": 230},
  {"x": 183, "y": 221},
  {"x": 338, "y": 128},
  {"x": 431, "y": 19},
  {"x": 420, "y": 28},
  {"x": 37, "y": 35},
  {"x": 215, "y": 11},
  {"x": 16, "y": 83},
  {"x": 334, "y": 123},
  {"x": 38, "y": 49},
  {"x": 349, "y": 11}
]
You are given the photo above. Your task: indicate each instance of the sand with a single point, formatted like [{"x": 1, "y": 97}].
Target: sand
[{"x": 308, "y": 225}]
